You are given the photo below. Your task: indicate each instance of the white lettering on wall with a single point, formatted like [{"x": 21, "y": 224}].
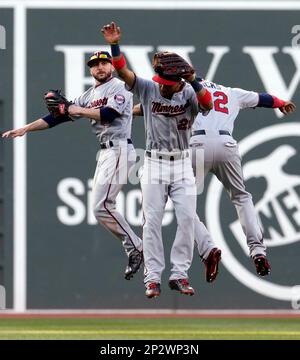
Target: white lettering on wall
[{"x": 77, "y": 204}]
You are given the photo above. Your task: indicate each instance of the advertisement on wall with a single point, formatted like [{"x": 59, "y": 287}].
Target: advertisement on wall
[{"x": 72, "y": 262}]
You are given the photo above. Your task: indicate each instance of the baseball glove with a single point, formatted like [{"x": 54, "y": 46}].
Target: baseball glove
[
  {"x": 56, "y": 103},
  {"x": 171, "y": 66}
]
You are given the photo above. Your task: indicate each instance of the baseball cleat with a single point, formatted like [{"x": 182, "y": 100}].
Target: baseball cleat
[
  {"x": 152, "y": 290},
  {"x": 181, "y": 285},
  {"x": 262, "y": 265},
  {"x": 135, "y": 260},
  {"x": 212, "y": 264}
]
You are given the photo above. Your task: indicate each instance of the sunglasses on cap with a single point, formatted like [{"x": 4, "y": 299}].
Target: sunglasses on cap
[{"x": 99, "y": 56}]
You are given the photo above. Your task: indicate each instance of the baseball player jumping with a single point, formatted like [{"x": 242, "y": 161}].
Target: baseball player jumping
[
  {"x": 170, "y": 106},
  {"x": 108, "y": 106},
  {"x": 212, "y": 255},
  {"x": 213, "y": 133}
]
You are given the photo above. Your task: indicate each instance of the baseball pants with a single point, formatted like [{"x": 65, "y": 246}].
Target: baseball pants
[
  {"x": 221, "y": 157},
  {"x": 162, "y": 178},
  {"x": 111, "y": 174}
]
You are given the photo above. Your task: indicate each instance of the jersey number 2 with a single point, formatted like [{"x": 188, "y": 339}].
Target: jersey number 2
[
  {"x": 183, "y": 124},
  {"x": 220, "y": 102}
]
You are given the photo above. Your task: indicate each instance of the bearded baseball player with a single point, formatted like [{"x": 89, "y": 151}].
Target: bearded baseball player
[
  {"x": 108, "y": 106},
  {"x": 170, "y": 106},
  {"x": 213, "y": 133}
]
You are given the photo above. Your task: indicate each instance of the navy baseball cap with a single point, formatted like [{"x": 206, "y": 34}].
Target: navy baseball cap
[{"x": 99, "y": 56}]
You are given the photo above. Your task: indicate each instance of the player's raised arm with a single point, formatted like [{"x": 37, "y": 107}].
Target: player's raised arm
[
  {"x": 112, "y": 34},
  {"x": 38, "y": 124},
  {"x": 203, "y": 95}
]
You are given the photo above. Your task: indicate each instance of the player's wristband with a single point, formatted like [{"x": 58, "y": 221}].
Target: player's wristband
[
  {"x": 115, "y": 50},
  {"x": 196, "y": 85},
  {"x": 269, "y": 101},
  {"x": 120, "y": 63},
  {"x": 277, "y": 102},
  {"x": 204, "y": 99}
]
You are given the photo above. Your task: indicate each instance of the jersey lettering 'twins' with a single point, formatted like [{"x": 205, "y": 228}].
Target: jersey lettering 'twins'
[
  {"x": 99, "y": 102},
  {"x": 168, "y": 110}
]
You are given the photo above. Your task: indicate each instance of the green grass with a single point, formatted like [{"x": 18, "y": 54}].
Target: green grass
[{"x": 193, "y": 329}]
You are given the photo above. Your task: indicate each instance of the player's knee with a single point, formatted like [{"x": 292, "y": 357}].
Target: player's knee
[
  {"x": 99, "y": 210},
  {"x": 240, "y": 197},
  {"x": 153, "y": 219},
  {"x": 186, "y": 219}
]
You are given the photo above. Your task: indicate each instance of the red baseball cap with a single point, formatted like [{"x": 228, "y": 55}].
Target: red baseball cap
[{"x": 163, "y": 81}]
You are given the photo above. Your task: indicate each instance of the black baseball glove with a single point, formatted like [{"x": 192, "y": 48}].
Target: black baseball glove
[
  {"x": 56, "y": 103},
  {"x": 171, "y": 66}
]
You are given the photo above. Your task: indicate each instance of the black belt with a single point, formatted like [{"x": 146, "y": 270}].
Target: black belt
[
  {"x": 148, "y": 154},
  {"x": 110, "y": 143},
  {"x": 203, "y": 132},
  {"x": 167, "y": 156}
]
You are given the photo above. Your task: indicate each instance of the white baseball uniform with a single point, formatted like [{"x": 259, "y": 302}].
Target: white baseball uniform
[{"x": 213, "y": 133}]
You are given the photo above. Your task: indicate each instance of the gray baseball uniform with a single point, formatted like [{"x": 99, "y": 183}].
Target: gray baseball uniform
[
  {"x": 116, "y": 157},
  {"x": 167, "y": 172},
  {"x": 221, "y": 157}
]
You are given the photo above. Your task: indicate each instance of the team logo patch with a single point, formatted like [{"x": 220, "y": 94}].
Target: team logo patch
[
  {"x": 274, "y": 180},
  {"x": 119, "y": 99}
]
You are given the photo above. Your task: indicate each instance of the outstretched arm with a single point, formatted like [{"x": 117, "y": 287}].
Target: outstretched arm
[
  {"x": 105, "y": 114},
  {"x": 112, "y": 34},
  {"x": 38, "y": 124},
  {"x": 271, "y": 101},
  {"x": 84, "y": 112}
]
